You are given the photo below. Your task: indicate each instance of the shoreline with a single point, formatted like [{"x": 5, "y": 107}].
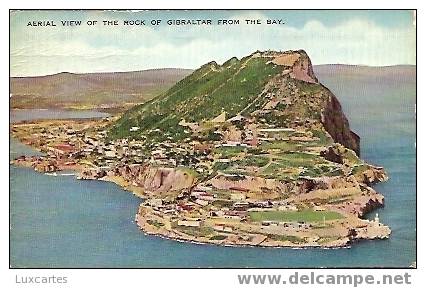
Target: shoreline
[
  {"x": 188, "y": 239},
  {"x": 345, "y": 243},
  {"x": 141, "y": 222},
  {"x": 172, "y": 235},
  {"x": 219, "y": 224},
  {"x": 182, "y": 240}
]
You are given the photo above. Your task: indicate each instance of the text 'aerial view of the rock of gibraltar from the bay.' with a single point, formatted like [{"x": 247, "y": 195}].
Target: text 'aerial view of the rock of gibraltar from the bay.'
[{"x": 260, "y": 151}]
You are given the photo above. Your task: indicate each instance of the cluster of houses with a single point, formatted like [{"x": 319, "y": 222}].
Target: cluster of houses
[
  {"x": 193, "y": 208},
  {"x": 192, "y": 152}
]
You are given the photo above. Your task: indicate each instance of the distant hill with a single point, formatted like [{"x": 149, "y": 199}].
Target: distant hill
[
  {"x": 92, "y": 90},
  {"x": 354, "y": 86},
  {"x": 371, "y": 94},
  {"x": 372, "y": 73}
]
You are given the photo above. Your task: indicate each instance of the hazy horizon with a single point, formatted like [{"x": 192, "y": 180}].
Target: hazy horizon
[
  {"x": 193, "y": 69},
  {"x": 360, "y": 37}
]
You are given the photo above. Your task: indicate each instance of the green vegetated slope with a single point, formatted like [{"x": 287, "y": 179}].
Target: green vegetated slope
[
  {"x": 203, "y": 95},
  {"x": 273, "y": 89}
]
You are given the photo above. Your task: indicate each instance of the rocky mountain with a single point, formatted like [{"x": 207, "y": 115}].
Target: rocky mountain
[
  {"x": 277, "y": 89},
  {"x": 93, "y": 90},
  {"x": 255, "y": 151}
]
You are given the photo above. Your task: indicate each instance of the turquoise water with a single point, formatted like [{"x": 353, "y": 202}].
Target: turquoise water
[
  {"x": 63, "y": 222},
  {"x": 32, "y": 114}
]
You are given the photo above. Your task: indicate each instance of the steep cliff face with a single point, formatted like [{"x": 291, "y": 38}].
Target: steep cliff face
[
  {"x": 303, "y": 70},
  {"x": 306, "y": 97},
  {"x": 166, "y": 179},
  {"x": 332, "y": 116},
  {"x": 298, "y": 64},
  {"x": 337, "y": 125}
]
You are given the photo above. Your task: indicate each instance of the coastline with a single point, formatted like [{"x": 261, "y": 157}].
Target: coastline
[
  {"x": 148, "y": 229},
  {"x": 173, "y": 235},
  {"x": 155, "y": 183}
]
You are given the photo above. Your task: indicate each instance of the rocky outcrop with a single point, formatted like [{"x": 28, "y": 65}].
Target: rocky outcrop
[
  {"x": 91, "y": 174},
  {"x": 156, "y": 179},
  {"x": 299, "y": 63},
  {"x": 306, "y": 185},
  {"x": 302, "y": 69},
  {"x": 374, "y": 202},
  {"x": 332, "y": 154},
  {"x": 361, "y": 203},
  {"x": 39, "y": 164},
  {"x": 250, "y": 183},
  {"x": 321, "y": 103},
  {"x": 372, "y": 175},
  {"x": 151, "y": 179}
]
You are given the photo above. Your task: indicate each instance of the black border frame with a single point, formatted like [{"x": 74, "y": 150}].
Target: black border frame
[{"x": 216, "y": 268}]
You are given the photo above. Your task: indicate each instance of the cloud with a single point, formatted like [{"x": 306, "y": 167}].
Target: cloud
[{"x": 88, "y": 49}]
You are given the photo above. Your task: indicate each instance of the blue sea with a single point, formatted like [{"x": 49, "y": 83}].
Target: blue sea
[
  {"x": 63, "y": 222},
  {"x": 34, "y": 114}
]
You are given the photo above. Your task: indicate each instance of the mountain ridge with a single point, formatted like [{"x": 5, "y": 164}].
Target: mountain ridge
[{"x": 244, "y": 86}]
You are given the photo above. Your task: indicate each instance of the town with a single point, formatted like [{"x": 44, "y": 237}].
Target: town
[{"x": 231, "y": 181}]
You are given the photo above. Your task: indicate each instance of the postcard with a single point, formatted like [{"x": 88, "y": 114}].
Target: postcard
[{"x": 212, "y": 139}]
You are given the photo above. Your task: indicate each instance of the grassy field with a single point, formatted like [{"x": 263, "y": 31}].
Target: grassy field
[
  {"x": 290, "y": 238},
  {"x": 258, "y": 161},
  {"x": 195, "y": 231},
  {"x": 155, "y": 223},
  {"x": 278, "y": 171},
  {"x": 294, "y": 216},
  {"x": 281, "y": 145},
  {"x": 218, "y": 237},
  {"x": 227, "y": 152},
  {"x": 285, "y": 165}
]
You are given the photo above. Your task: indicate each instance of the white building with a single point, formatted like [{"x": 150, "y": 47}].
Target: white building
[
  {"x": 189, "y": 223},
  {"x": 238, "y": 196}
]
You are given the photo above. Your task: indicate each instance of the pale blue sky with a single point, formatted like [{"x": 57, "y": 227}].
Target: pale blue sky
[{"x": 375, "y": 38}]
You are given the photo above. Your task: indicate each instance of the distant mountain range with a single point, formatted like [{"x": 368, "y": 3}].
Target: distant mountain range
[
  {"x": 92, "y": 90},
  {"x": 372, "y": 72}
]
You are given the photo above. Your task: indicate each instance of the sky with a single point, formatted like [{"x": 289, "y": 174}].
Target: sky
[{"x": 366, "y": 37}]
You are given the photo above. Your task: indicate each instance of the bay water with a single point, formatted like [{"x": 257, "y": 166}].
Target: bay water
[{"x": 63, "y": 222}]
